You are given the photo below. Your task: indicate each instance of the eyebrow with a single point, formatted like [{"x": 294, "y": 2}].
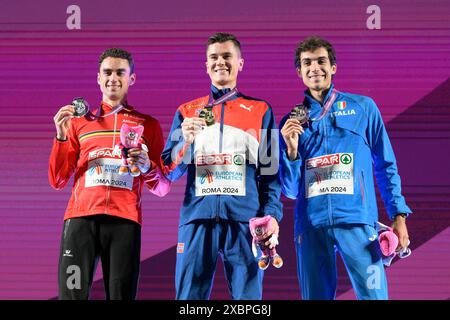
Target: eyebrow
[
  {"x": 109, "y": 70},
  {"x": 217, "y": 54},
  {"x": 310, "y": 59}
]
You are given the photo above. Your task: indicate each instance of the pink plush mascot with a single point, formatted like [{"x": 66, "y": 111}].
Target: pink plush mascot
[
  {"x": 129, "y": 139},
  {"x": 389, "y": 243},
  {"x": 258, "y": 227}
]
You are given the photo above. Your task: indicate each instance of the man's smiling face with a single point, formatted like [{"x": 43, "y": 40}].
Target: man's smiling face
[
  {"x": 114, "y": 78},
  {"x": 316, "y": 70},
  {"x": 223, "y": 64}
]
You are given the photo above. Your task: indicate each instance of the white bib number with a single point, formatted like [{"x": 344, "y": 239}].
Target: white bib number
[
  {"x": 105, "y": 172},
  {"x": 220, "y": 174},
  {"x": 329, "y": 174}
]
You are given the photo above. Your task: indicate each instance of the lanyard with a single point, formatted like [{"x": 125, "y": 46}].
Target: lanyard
[
  {"x": 327, "y": 106},
  {"x": 225, "y": 97},
  {"x": 113, "y": 111}
]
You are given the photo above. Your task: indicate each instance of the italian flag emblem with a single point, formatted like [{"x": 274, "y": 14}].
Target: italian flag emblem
[{"x": 341, "y": 105}]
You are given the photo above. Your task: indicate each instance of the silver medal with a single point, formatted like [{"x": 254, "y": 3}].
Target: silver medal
[{"x": 81, "y": 107}]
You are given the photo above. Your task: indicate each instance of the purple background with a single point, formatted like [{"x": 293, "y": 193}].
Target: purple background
[{"x": 404, "y": 67}]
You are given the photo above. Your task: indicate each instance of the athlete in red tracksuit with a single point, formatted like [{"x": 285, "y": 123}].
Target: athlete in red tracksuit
[{"x": 103, "y": 218}]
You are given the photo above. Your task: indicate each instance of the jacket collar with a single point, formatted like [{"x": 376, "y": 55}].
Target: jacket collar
[
  {"x": 310, "y": 101},
  {"x": 217, "y": 93},
  {"x": 107, "y": 108}
]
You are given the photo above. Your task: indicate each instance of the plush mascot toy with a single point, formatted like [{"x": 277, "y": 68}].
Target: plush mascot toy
[
  {"x": 258, "y": 227},
  {"x": 129, "y": 139},
  {"x": 389, "y": 243}
]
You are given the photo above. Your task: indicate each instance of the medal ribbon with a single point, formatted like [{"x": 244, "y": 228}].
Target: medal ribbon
[
  {"x": 327, "y": 106},
  {"x": 224, "y": 98},
  {"x": 113, "y": 111}
]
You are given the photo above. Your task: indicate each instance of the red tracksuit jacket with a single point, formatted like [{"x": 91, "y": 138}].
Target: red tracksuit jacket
[{"x": 88, "y": 153}]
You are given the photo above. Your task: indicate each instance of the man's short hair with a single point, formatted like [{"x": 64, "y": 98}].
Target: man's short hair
[
  {"x": 117, "y": 53},
  {"x": 312, "y": 44},
  {"x": 222, "y": 37}
]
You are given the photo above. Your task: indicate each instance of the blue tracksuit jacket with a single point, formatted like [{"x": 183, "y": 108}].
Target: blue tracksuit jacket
[{"x": 332, "y": 178}]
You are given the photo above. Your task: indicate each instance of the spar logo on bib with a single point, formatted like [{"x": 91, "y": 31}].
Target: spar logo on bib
[
  {"x": 346, "y": 158},
  {"x": 324, "y": 161},
  {"x": 213, "y": 159},
  {"x": 104, "y": 153},
  {"x": 329, "y": 160},
  {"x": 238, "y": 160}
]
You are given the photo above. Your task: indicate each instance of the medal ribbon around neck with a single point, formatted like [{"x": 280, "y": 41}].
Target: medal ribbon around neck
[
  {"x": 327, "y": 106},
  {"x": 224, "y": 98}
]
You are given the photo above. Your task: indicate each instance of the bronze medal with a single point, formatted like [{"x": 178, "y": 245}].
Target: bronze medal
[{"x": 300, "y": 113}]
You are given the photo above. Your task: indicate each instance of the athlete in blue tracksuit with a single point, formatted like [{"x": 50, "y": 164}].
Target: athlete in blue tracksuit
[
  {"x": 229, "y": 179},
  {"x": 327, "y": 164}
]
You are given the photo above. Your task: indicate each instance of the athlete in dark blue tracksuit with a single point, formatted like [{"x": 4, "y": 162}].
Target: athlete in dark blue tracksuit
[
  {"x": 229, "y": 179},
  {"x": 327, "y": 164}
]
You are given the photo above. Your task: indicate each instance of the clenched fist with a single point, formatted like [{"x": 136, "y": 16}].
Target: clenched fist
[
  {"x": 290, "y": 132},
  {"x": 62, "y": 121},
  {"x": 191, "y": 127}
]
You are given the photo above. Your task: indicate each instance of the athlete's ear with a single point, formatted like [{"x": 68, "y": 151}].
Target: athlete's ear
[
  {"x": 299, "y": 72},
  {"x": 241, "y": 64},
  {"x": 333, "y": 69},
  {"x": 98, "y": 78},
  {"x": 132, "y": 79}
]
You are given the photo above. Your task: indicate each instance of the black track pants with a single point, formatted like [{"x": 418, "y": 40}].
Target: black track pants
[{"x": 116, "y": 241}]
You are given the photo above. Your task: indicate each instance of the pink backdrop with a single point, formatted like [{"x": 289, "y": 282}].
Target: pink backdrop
[{"x": 404, "y": 67}]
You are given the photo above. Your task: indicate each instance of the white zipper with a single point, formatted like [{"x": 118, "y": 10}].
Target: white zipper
[
  {"x": 114, "y": 133},
  {"x": 76, "y": 189},
  {"x": 330, "y": 215},
  {"x": 108, "y": 194}
]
